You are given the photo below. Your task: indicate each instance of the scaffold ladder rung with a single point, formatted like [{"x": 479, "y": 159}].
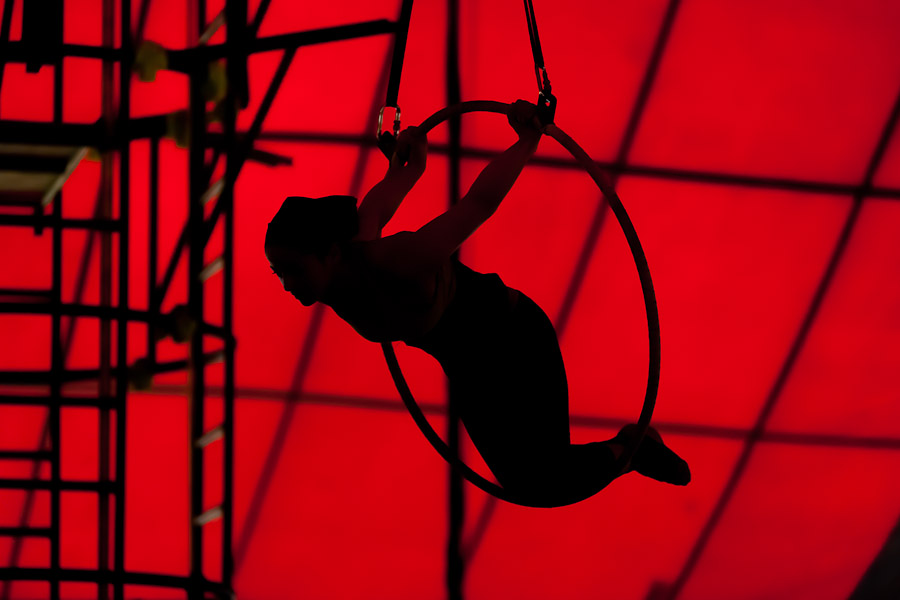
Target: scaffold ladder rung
[
  {"x": 25, "y": 454},
  {"x": 27, "y": 293},
  {"x": 25, "y": 531},
  {"x": 41, "y": 400},
  {"x": 65, "y": 486}
]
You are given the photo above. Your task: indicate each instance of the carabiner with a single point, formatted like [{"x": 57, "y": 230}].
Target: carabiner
[
  {"x": 381, "y": 120},
  {"x": 386, "y": 143},
  {"x": 546, "y": 107}
]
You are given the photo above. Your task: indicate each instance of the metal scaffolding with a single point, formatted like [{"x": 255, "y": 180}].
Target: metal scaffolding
[{"x": 37, "y": 158}]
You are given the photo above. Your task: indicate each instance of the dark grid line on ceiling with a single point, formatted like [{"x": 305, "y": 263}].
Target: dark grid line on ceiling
[
  {"x": 258, "y": 19},
  {"x": 279, "y": 439},
  {"x": 250, "y": 394},
  {"x": 617, "y": 168},
  {"x": 143, "y": 14},
  {"x": 276, "y": 448},
  {"x": 788, "y": 365}
]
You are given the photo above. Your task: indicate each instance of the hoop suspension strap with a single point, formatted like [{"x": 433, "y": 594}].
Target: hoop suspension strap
[
  {"x": 393, "y": 90},
  {"x": 540, "y": 70},
  {"x": 388, "y": 141}
]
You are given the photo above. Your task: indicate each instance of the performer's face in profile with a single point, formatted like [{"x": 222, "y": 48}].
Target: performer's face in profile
[{"x": 306, "y": 276}]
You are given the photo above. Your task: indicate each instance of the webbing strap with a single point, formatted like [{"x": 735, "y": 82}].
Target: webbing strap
[
  {"x": 393, "y": 90},
  {"x": 539, "y": 68}
]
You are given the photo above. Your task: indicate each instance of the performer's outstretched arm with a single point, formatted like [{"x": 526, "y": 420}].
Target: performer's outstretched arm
[
  {"x": 448, "y": 231},
  {"x": 407, "y": 166},
  {"x": 496, "y": 179}
]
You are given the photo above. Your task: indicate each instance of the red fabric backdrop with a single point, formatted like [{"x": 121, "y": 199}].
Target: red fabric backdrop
[{"x": 753, "y": 105}]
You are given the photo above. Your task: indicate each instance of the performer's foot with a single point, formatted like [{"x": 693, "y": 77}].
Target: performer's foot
[{"x": 654, "y": 459}]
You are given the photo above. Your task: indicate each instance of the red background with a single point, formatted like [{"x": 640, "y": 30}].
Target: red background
[{"x": 774, "y": 97}]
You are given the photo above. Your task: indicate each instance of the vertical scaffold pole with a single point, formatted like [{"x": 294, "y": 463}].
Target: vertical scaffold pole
[
  {"x": 123, "y": 121},
  {"x": 107, "y": 165}
]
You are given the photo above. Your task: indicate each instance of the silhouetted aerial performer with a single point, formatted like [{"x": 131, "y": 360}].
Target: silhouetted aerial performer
[{"x": 497, "y": 347}]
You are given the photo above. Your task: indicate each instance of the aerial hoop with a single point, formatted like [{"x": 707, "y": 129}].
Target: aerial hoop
[{"x": 640, "y": 261}]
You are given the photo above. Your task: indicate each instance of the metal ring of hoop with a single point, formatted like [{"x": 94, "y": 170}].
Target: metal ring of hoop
[{"x": 640, "y": 261}]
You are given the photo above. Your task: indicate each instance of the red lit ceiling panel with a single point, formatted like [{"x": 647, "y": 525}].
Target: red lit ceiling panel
[
  {"x": 764, "y": 88},
  {"x": 620, "y": 542},
  {"x": 734, "y": 271},
  {"x": 355, "y": 492},
  {"x": 804, "y": 523},
  {"x": 845, "y": 378}
]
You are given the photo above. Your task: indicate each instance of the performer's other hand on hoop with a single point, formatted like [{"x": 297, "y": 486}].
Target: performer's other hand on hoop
[
  {"x": 411, "y": 151},
  {"x": 523, "y": 118}
]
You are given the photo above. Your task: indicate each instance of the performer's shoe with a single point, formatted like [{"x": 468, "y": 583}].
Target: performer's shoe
[{"x": 654, "y": 459}]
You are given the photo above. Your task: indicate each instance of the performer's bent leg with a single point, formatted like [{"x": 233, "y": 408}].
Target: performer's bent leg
[
  {"x": 578, "y": 471},
  {"x": 568, "y": 475},
  {"x": 512, "y": 397}
]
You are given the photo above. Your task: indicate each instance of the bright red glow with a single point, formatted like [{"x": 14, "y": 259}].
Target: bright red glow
[{"x": 746, "y": 158}]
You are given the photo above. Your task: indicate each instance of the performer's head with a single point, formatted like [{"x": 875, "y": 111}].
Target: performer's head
[{"x": 304, "y": 243}]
